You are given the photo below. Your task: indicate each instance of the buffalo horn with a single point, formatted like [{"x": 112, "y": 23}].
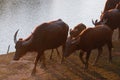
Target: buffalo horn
[
  {"x": 93, "y": 22},
  {"x": 15, "y": 35}
]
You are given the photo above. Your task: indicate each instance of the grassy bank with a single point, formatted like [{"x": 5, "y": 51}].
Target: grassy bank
[{"x": 71, "y": 69}]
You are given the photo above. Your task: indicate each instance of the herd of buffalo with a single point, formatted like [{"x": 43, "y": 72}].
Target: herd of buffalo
[{"x": 51, "y": 35}]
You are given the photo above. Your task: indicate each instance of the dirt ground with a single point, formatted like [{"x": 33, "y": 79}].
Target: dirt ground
[{"x": 71, "y": 69}]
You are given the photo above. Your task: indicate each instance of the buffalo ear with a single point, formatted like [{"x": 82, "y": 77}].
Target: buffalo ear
[
  {"x": 70, "y": 31},
  {"x": 20, "y": 39}
]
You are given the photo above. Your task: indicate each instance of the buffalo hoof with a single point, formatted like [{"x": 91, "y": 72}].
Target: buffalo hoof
[
  {"x": 85, "y": 67},
  {"x": 62, "y": 60},
  {"x": 50, "y": 58},
  {"x": 33, "y": 72},
  {"x": 94, "y": 64},
  {"x": 110, "y": 62},
  {"x": 85, "y": 70},
  {"x": 43, "y": 66}
]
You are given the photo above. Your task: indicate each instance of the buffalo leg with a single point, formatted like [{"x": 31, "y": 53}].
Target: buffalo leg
[
  {"x": 110, "y": 50},
  {"x": 51, "y": 53},
  {"x": 119, "y": 33},
  {"x": 43, "y": 58},
  {"x": 57, "y": 52},
  {"x": 87, "y": 59},
  {"x": 36, "y": 61},
  {"x": 98, "y": 55},
  {"x": 63, "y": 49},
  {"x": 81, "y": 56}
]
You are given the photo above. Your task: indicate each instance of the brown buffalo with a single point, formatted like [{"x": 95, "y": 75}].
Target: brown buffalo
[
  {"x": 110, "y": 4},
  {"x": 46, "y": 36},
  {"x": 89, "y": 39},
  {"x": 77, "y": 30},
  {"x": 111, "y": 18}
]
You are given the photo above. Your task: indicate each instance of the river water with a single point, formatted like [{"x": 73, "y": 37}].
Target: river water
[{"x": 25, "y": 15}]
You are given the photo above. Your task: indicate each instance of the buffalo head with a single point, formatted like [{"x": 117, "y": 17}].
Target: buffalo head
[
  {"x": 71, "y": 46},
  {"x": 21, "y": 46},
  {"x": 77, "y": 30}
]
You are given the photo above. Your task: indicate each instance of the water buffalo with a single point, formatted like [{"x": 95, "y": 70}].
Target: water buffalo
[
  {"x": 110, "y": 4},
  {"x": 77, "y": 30},
  {"x": 112, "y": 18},
  {"x": 89, "y": 39},
  {"x": 46, "y": 36}
]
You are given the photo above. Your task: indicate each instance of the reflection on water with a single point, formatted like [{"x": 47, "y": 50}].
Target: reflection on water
[{"x": 26, "y": 14}]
